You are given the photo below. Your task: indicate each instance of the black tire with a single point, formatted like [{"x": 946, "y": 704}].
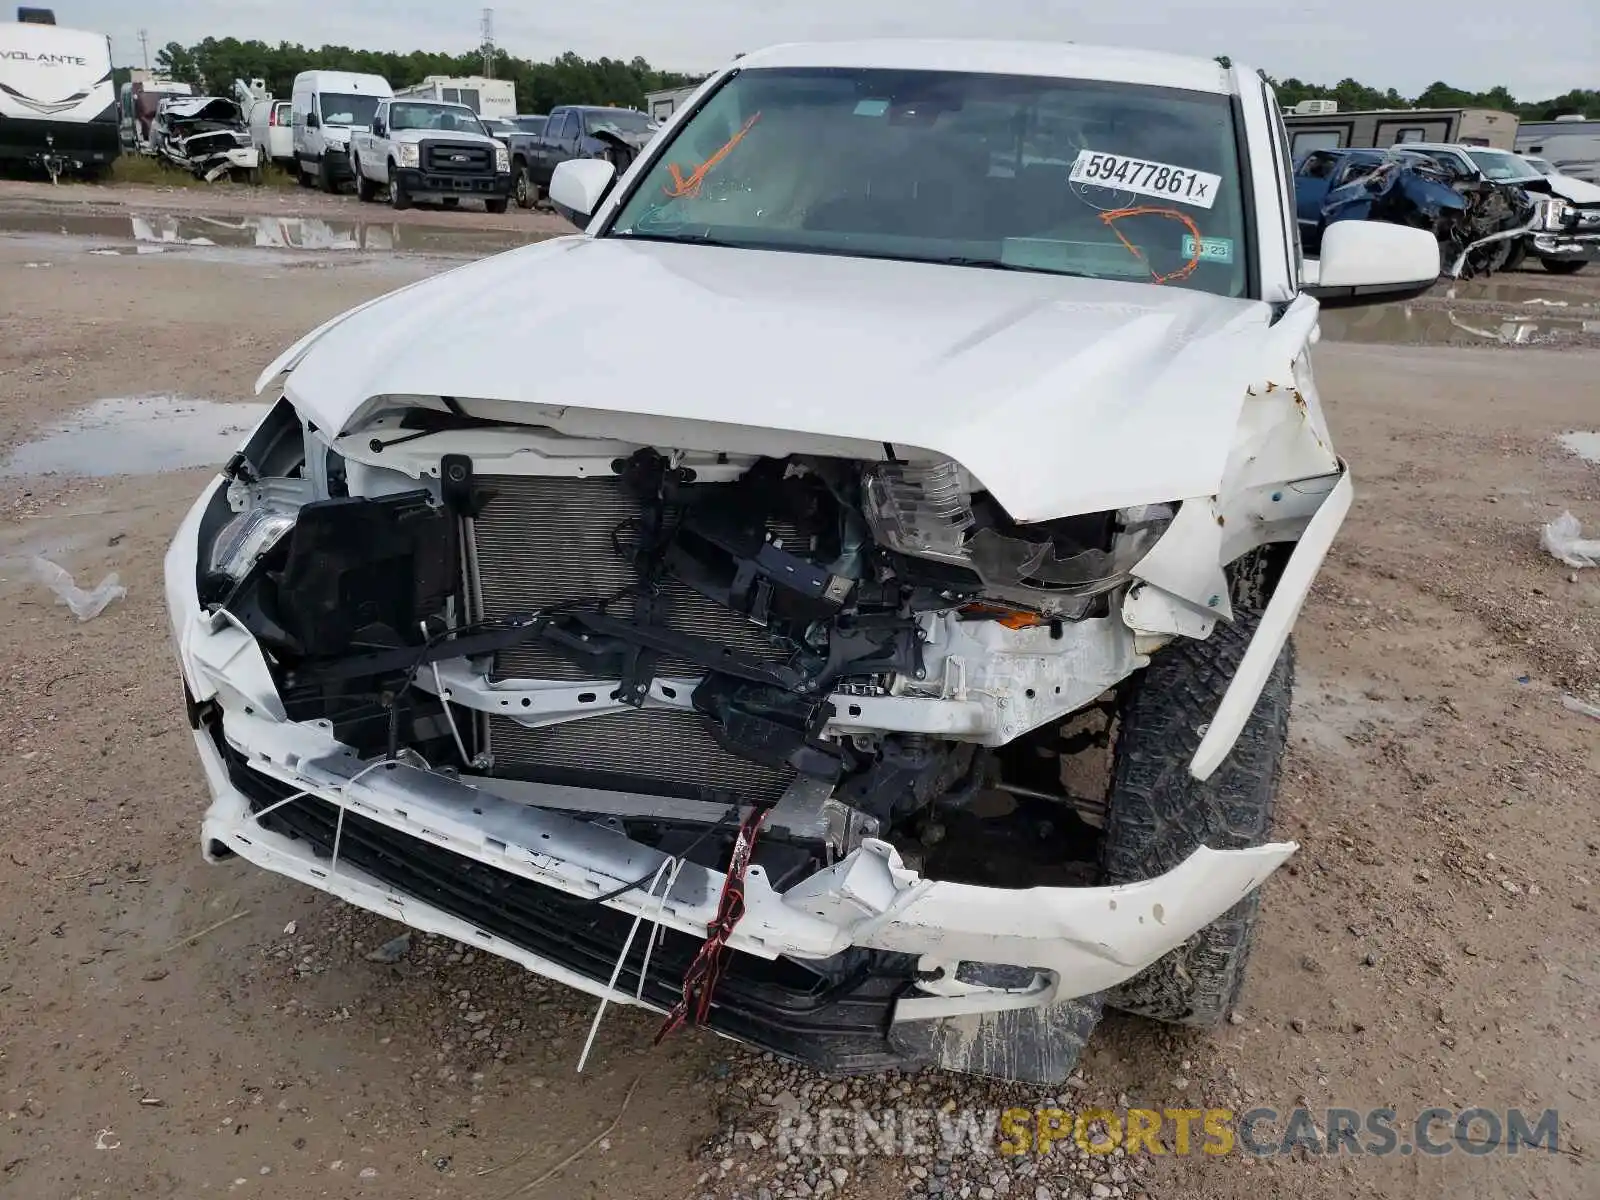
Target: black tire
[
  {"x": 366, "y": 190},
  {"x": 1563, "y": 266},
  {"x": 305, "y": 177},
  {"x": 450, "y": 202},
  {"x": 398, "y": 196},
  {"x": 325, "y": 179},
  {"x": 527, "y": 194},
  {"x": 497, "y": 205},
  {"x": 1159, "y": 813}
]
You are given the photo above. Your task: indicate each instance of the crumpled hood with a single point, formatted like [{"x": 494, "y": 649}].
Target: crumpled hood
[
  {"x": 1062, "y": 395},
  {"x": 205, "y": 108},
  {"x": 1576, "y": 191}
]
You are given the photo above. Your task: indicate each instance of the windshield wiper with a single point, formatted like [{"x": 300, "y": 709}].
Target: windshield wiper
[
  {"x": 689, "y": 239},
  {"x": 991, "y": 264}
]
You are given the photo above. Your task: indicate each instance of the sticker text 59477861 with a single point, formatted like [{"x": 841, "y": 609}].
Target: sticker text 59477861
[{"x": 1163, "y": 180}]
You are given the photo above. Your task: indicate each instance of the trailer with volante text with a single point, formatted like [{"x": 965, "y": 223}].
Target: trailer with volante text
[{"x": 58, "y": 109}]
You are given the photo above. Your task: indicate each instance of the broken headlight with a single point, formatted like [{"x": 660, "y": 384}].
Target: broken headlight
[
  {"x": 924, "y": 510},
  {"x": 242, "y": 542},
  {"x": 930, "y": 510}
]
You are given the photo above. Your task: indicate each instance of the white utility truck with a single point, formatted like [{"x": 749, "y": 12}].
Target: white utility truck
[{"x": 421, "y": 149}]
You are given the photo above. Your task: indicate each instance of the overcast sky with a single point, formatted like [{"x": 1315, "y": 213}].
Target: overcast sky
[{"x": 1536, "y": 49}]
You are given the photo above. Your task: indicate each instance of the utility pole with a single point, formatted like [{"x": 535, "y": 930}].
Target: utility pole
[
  {"x": 486, "y": 31},
  {"x": 144, "y": 47}
]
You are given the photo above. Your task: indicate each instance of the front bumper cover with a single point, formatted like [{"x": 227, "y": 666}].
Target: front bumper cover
[
  {"x": 1582, "y": 247},
  {"x": 418, "y": 182},
  {"x": 895, "y": 938}
]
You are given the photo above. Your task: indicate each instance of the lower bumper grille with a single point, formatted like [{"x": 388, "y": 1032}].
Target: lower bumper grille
[
  {"x": 541, "y": 541},
  {"x": 833, "y": 1015}
]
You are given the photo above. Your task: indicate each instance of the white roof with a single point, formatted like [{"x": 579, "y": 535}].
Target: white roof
[{"x": 1051, "y": 59}]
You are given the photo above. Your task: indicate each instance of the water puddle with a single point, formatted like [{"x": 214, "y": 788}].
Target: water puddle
[
  {"x": 136, "y": 436},
  {"x": 163, "y": 231},
  {"x": 1406, "y": 324},
  {"x": 1585, "y": 444}
]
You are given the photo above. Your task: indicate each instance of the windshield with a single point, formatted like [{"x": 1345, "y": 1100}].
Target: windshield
[
  {"x": 446, "y": 118},
  {"x": 1064, "y": 176},
  {"x": 618, "y": 120},
  {"x": 1501, "y": 166},
  {"x": 349, "y": 110},
  {"x": 530, "y": 124}
]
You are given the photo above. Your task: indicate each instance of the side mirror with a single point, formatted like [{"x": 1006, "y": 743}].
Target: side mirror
[
  {"x": 379, "y": 129},
  {"x": 313, "y": 121},
  {"x": 578, "y": 185},
  {"x": 1371, "y": 262}
]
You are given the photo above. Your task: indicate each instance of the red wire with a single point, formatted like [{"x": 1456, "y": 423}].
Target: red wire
[{"x": 705, "y": 972}]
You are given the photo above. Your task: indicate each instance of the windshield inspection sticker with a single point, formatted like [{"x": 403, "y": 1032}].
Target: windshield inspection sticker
[
  {"x": 1146, "y": 178},
  {"x": 1212, "y": 249}
]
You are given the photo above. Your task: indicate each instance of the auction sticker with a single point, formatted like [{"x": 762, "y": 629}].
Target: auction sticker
[
  {"x": 1211, "y": 249},
  {"x": 1162, "y": 180}
]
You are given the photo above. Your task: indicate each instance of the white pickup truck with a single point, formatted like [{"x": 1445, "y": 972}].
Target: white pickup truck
[
  {"x": 882, "y": 589},
  {"x": 424, "y": 149}
]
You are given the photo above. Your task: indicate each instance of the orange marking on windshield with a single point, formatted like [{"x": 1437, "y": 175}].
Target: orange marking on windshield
[
  {"x": 1111, "y": 218},
  {"x": 690, "y": 185}
]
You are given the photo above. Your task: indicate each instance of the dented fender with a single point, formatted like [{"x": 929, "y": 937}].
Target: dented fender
[{"x": 1273, "y": 632}]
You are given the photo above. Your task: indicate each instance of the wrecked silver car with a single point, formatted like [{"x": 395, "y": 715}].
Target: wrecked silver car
[{"x": 882, "y": 655}]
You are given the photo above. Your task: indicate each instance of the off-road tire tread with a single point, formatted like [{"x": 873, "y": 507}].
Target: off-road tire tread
[{"x": 1159, "y": 813}]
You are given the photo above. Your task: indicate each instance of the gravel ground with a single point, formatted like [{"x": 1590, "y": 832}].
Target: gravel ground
[{"x": 169, "y": 1028}]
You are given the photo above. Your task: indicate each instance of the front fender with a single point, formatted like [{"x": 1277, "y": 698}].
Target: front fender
[{"x": 1273, "y": 632}]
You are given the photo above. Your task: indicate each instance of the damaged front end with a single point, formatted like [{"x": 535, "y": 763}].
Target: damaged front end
[
  {"x": 528, "y": 689},
  {"x": 208, "y": 137},
  {"x": 1476, "y": 222}
]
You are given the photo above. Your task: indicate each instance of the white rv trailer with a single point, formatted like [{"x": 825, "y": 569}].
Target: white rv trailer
[
  {"x": 486, "y": 97},
  {"x": 58, "y": 108}
]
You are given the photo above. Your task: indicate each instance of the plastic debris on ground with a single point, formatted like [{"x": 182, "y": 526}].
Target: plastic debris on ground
[
  {"x": 391, "y": 951},
  {"x": 1564, "y": 538},
  {"x": 85, "y": 605},
  {"x": 1582, "y": 707}
]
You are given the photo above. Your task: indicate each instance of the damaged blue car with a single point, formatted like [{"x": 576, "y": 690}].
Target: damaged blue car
[
  {"x": 1394, "y": 185},
  {"x": 1473, "y": 219}
]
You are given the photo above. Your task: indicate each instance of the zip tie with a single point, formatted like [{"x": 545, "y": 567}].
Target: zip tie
[
  {"x": 338, "y": 829},
  {"x": 616, "y": 970},
  {"x": 655, "y": 924}
]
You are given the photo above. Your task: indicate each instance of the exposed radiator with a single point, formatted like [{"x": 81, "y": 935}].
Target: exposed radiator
[
  {"x": 661, "y": 745},
  {"x": 541, "y": 540}
]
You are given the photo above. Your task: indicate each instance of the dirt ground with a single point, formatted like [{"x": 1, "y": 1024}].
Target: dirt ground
[{"x": 172, "y": 1029}]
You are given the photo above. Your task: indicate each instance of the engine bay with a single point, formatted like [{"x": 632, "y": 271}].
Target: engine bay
[{"x": 760, "y": 610}]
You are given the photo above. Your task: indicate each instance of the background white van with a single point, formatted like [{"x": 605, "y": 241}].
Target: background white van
[{"x": 327, "y": 106}]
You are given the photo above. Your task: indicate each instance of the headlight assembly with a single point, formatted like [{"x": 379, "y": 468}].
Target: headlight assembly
[
  {"x": 929, "y": 510},
  {"x": 502, "y": 160},
  {"x": 245, "y": 539},
  {"x": 407, "y": 154}
]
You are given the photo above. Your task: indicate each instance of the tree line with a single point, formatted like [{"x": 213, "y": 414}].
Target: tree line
[
  {"x": 213, "y": 64},
  {"x": 1354, "y": 96}
]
